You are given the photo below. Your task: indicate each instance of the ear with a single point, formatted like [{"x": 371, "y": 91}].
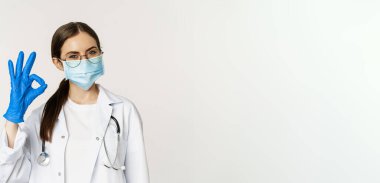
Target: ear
[{"x": 57, "y": 63}]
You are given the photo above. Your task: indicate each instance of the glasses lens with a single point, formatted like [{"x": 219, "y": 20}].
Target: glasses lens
[
  {"x": 95, "y": 60},
  {"x": 93, "y": 53},
  {"x": 72, "y": 63}
]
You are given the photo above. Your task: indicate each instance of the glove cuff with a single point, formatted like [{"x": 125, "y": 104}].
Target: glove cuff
[{"x": 13, "y": 118}]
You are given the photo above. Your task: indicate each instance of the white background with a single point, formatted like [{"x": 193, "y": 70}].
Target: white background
[{"x": 230, "y": 90}]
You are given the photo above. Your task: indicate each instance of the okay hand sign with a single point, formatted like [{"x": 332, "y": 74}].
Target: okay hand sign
[{"x": 22, "y": 93}]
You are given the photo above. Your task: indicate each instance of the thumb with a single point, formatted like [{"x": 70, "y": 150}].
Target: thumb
[{"x": 34, "y": 93}]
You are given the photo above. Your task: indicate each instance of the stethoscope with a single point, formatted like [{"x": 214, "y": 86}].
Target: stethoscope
[{"x": 44, "y": 159}]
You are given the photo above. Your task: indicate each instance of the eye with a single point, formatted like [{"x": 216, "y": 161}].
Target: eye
[
  {"x": 93, "y": 52},
  {"x": 73, "y": 56}
]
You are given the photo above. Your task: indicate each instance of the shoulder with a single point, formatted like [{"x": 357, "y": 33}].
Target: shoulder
[
  {"x": 123, "y": 106},
  {"x": 118, "y": 100},
  {"x": 36, "y": 113}
]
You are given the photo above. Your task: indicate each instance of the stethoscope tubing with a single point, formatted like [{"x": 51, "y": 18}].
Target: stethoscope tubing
[{"x": 44, "y": 159}]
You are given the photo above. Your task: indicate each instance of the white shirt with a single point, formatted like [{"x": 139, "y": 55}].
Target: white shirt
[{"x": 81, "y": 121}]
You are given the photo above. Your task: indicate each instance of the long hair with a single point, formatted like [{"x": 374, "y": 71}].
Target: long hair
[{"x": 54, "y": 104}]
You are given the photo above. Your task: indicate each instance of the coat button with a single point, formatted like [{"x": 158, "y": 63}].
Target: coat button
[
  {"x": 63, "y": 136},
  {"x": 97, "y": 138},
  {"x": 59, "y": 173}
]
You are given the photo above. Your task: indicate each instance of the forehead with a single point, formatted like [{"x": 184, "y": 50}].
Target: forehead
[{"x": 80, "y": 43}]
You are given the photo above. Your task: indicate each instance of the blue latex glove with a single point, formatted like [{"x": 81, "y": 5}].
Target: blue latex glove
[{"x": 22, "y": 93}]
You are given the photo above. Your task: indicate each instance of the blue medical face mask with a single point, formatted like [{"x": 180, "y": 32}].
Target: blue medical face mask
[{"x": 84, "y": 73}]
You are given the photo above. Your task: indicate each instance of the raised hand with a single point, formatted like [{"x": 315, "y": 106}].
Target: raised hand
[{"x": 22, "y": 93}]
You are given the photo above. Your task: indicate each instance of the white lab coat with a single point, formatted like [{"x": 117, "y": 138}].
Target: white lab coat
[{"x": 19, "y": 164}]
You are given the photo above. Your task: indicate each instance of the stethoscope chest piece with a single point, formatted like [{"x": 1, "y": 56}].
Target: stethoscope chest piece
[{"x": 43, "y": 159}]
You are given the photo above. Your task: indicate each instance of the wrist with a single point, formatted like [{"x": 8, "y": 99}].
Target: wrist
[{"x": 10, "y": 125}]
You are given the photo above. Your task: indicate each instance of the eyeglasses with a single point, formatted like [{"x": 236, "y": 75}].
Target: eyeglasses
[{"x": 74, "y": 59}]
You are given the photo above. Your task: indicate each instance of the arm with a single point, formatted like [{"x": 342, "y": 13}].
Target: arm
[
  {"x": 11, "y": 129},
  {"x": 15, "y": 162},
  {"x": 136, "y": 161},
  {"x": 15, "y": 147}
]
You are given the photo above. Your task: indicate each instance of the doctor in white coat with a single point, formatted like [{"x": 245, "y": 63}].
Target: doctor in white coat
[{"x": 83, "y": 133}]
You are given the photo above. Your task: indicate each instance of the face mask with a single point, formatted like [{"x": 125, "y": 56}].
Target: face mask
[{"x": 84, "y": 73}]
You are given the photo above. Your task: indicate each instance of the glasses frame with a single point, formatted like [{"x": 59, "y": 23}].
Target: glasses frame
[{"x": 80, "y": 59}]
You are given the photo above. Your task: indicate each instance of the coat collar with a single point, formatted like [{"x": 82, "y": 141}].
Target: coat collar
[
  {"x": 106, "y": 100},
  {"x": 105, "y": 97}
]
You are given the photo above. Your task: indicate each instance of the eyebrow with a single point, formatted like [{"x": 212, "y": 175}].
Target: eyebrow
[{"x": 78, "y": 51}]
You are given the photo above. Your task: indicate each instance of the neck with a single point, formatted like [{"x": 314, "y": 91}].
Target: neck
[{"x": 80, "y": 96}]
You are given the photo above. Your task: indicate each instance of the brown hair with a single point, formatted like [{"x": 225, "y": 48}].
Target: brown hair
[{"x": 54, "y": 104}]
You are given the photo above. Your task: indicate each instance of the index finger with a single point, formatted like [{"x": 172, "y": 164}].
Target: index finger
[{"x": 29, "y": 64}]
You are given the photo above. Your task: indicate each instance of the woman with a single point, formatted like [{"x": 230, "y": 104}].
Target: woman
[{"x": 83, "y": 133}]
